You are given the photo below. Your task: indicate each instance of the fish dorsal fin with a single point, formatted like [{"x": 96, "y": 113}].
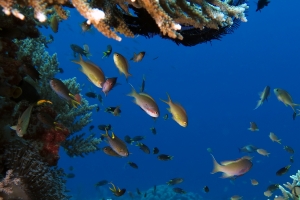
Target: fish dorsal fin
[
  {"x": 146, "y": 95},
  {"x": 228, "y": 162}
]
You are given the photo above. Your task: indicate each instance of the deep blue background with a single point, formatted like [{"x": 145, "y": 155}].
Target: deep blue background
[{"x": 217, "y": 84}]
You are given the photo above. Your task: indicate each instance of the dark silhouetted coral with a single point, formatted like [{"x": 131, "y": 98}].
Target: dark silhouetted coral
[{"x": 37, "y": 180}]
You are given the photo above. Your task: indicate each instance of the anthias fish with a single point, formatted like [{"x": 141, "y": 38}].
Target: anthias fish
[{"x": 232, "y": 168}]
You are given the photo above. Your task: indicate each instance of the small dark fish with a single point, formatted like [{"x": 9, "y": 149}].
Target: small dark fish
[
  {"x": 164, "y": 157},
  {"x": 137, "y": 138},
  {"x": 108, "y": 85},
  {"x": 283, "y": 170},
  {"x": 294, "y": 115},
  {"x": 61, "y": 70},
  {"x": 138, "y": 57},
  {"x": 99, "y": 97},
  {"x": 166, "y": 116},
  {"x": 108, "y": 51},
  {"x": 112, "y": 109},
  {"x": 261, "y": 4},
  {"x": 292, "y": 159},
  {"x": 154, "y": 189},
  {"x": 153, "y": 130},
  {"x": 117, "y": 191},
  {"x": 273, "y": 187},
  {"x": 97, "y": 108},
  {"x": 127, "y": 139},
  {"x": 101, "y": 183},
  {"x": 91, "y": 127},
  {"x": 179, "y": 191},
  {"x": 105, "y": 127},
  {"x": 51, "y": 37},
  {"x": 133, "y": 165},
  {"x": 143, "y": 84},
  {"x": 175, "y": 181},
  {"x": 248, "y": 149},
  {"x": 143, "y": 147},
  {"x": 138, "y": 191},
  {"x": 155, "y": 150},
  {"x": 78, "y": 50},
  {"x": 70, "y": 175},
  {"x": 145, "y": 195},
  {"x": 109, "y": 151},
  {"x": 91, "y": 94},
  {"x": 71, "y": 168},
  {"x": 155, "y": 58},
  {"x": 289, "y": 149},
  {"x": 206, "y": 189},
  {"x": 116, "y": 111},
  {"x": 85, "y": 26}
]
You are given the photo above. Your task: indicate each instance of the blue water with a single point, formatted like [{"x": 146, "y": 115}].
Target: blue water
[{"x": 217, "y": 83}]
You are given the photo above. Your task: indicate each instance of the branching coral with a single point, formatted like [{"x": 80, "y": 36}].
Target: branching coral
[
  {"x": 169, "y": 16},
  {"x": 78, "y": 146},
  {"x": 292, "y": 193}
]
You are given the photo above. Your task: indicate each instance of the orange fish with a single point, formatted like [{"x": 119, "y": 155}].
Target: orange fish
[{"x": 233, "y": 168}]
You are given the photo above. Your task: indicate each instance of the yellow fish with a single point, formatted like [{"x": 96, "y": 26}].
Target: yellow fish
[
  {"x": 122, "y": 64},
  {"x": 92, "y": 71},
  {"x": 285, "y": 98},
  {"x": 177, "y": 111},
  {"x": 23, "y": 121}
]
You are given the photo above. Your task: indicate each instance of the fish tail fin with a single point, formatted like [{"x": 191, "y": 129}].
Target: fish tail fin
[
  {"x": 294, "y": 105},
  {"x": 279, "y": 141},
  {"x": 40, "y": 102},
  {"x": 171, "y": 157},
  {"x": 78, "y": 61},
  {"x": 127, "y": 75},
  {"x": 259, "y": 103},
  {"x": 104, "y": 54},
  {"x": 134, "y": 57},
  {"x": 217, "y": 166},
  {"x": 133, "y": 93},
  {"x": 169, "y": 100},
  {"x": 75, "y": 103},
  {"x": 106, "y": 133}
]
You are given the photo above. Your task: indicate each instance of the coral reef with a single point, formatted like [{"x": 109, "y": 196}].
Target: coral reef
[
  {"x": 78, "y": 146},
  {"x": 28, "y": 177},
  {"x": 292, "y": 191},
  {"x": 192, "y": 22},
  {"x": 166, "y": 192}
]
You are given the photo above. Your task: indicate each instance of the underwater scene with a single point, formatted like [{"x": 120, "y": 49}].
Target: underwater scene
[{"x": 149, "y": 100}]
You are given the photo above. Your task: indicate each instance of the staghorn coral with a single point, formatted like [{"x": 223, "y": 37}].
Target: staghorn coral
[
  {"x": 37, "y": 179},
  {"x": 290, "y": 193},
  {"x": 78, "y": 146},
  {"x": 210, "y": 18}
]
